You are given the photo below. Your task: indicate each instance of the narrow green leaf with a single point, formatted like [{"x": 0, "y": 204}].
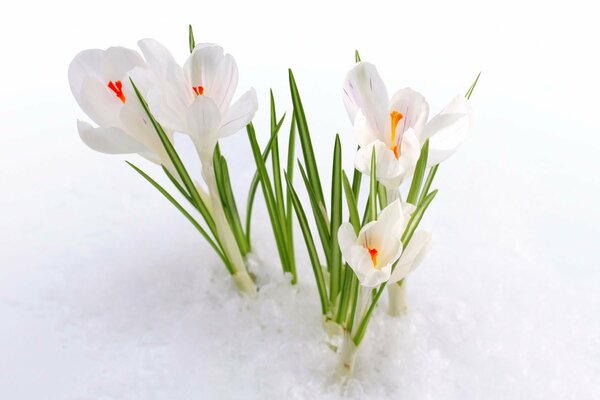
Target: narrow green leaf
[
  {"x": 187, "y": 215},
  {"x": 336, "y": 220},
  {"x": 191, "y": 39},
  {"x": 265, "y": 182},
  {"x": 351, "y": 202},
  {"x": 356, "y": 56},
  {"x": 373, "y": 188},
  {"x": 234, "y": 222},
  {"x": 415, "y": 185},
  {"x": 310, "y": 246},
  {"x": 428, "y": 181},
  {"x": 288, "y": 197},
  {"x": 254, "y": 186},
  {"x": 319, "y": 216},
  {"x": 177, "y": 164},
  {"x": 279, "y": 202},
  {"x": 416, "y": 217},
  {"x": 305, "y": 141},
  {"x": 470, "y": 91},
  {"x": 180, "y": 188},
  {"x": 382, "y": 195}
]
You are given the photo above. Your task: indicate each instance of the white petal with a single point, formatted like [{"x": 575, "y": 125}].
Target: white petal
[
  {"x": 413, "y": 107},
  {"x": 99, "y": 103},
  {"x": 448, "y": 130},
  {"x": 119, "y": 61},
  {"x": 204, "y": 119},
  {"x": 86, "y": 64},
  {"x": 412, "y": 256},
  {"x": 346, "y": 239},
  {"x": 239, "y": 114},
  {"x": 389, "y": 170},
  {"x": 217, "y": 73},
  {"x": 364, "y": 89},
  {"x": 363, "y": 131},
  {"x": 158, "y": 57},
  {"x": 109, "y": 140},
  {"x": 385, "y": 234}
]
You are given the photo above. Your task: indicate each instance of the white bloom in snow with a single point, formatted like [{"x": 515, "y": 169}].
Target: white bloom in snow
[
  {"x": 99, "y": 80},
  {"x": 377, "y": 246},
  {"x": 397, "y": 127},
  {"x": 196, "y": 99}
]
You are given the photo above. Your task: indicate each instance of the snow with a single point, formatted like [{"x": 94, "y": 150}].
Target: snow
[{"x": 107, "y": 292}]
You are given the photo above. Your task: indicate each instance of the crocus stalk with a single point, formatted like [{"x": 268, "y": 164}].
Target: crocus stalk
[
  {"x": 411, "y": 258},
  {"x": 196, "y": 100},
  {"x": 347, "y": 356},
  {"x": 397, "y": 128}
]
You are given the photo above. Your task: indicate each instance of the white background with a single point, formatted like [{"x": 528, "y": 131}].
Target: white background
[{"x": 99, "y": 279}]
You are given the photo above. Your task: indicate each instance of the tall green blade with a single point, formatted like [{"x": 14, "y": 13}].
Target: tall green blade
[
  {"x": 305, "y": 141},
  {"x": 356, "y": 56},
  {"x": 351, "y": 202},
  {"x": 373, "y": 189},
  {"x": 288, "y": 196},
  {"x": 320, "y": 216},
  {"x": 336, "y": 220},
  {"x": 254, "y": 186},
  {"x": 417, "y": 179},
  {"x": 310, "y": 246}
]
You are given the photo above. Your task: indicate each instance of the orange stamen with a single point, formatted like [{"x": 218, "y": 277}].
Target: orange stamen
[
  {"x": 373, "y": 254},
  {"x": 199, "y": 90},
  {"x": 396, "y": 117},
  {"x": 117, "y": 87}
]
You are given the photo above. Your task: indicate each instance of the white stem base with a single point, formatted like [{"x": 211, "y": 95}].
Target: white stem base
[
  {"x": 244, "y": 283},
  {"x": 347, "y": 357},
  {"x": 397, "y": 299}
]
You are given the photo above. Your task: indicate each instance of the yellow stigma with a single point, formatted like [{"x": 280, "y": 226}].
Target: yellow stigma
[{"x": 396, "y": 117}]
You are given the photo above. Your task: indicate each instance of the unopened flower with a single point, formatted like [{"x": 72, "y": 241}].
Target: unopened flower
[{"x": 411, "y": 256}]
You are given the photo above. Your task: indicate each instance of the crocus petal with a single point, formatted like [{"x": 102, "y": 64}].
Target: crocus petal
[
  {"x": 109, "y": 140},
  {"x": 414, "y": 109},
  {"x": 448, "y": 130},
  {"x": 346, "y": 239},
  {"x": 203, "y": 119},
  {"x": 364, "y": 89},
  {"x": 412, "y": 256},
  {"x": 363, "y": 131},
  {"x": 390, "y": 170},
  {"x": 239, "y": 114},
  {"x": 217, "y": 73},
  {"x": 85, "y": 64},
  {"x": 118, "y": 61}
]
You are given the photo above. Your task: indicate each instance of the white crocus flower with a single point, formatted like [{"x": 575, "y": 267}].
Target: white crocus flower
[
  {"x": 397, "y": 128},
  {"x": 99, "y": 80},
  {"x": 196, "y": 99},
  {"x": 372, "y": 253}
]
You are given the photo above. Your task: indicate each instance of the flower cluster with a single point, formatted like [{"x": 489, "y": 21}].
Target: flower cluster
[{"x": 140, "y": 101}]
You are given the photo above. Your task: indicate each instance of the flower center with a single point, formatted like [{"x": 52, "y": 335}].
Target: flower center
[
  {"x": 117, "y": 87},
  {"x": 394, "y": 146},
  {"x": 199, "y": 90},
  {"x": 373, "y": 254}
]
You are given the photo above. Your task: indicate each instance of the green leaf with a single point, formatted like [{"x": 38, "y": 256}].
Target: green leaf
[
  {"x": 232, "y": 211},
  {"x": 288, "y": 197},
  {"x": 356, "y": 56},
  {"x": 417, "y": 179},
  {"x": 310, "y": 246},
  {"x": 336, "y": 220},
  {"x": 187, "y": 215},
  {"x": 351, "y": 202},
  {"x": 177, "y": 164},
  {"x": 373, "y": 189},
  {"x": 470, "y": 91},
  {"x": 192, "y": 42},
  {"x": 305, "y": 141},
  {"x": 254, "y": 186},
  {"x": 265, "y": 182},
  {"x": 180, "y": 188},
  {"x": 416, "y": 217},
  {"x": 320, "y": 216},
  {"x": 428, "y": 181}
]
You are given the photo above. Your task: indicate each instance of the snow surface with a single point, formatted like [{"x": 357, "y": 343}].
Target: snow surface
[{"x": 106, "y": 292}]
